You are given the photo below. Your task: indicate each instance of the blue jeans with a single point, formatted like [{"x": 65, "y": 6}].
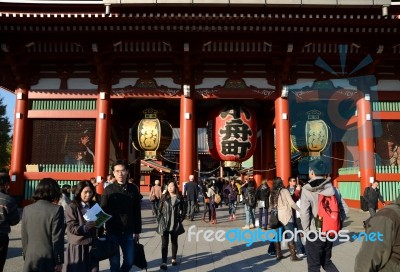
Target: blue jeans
[
  {"x": 232, "y": 207},
  {"x": 260, "y": 216},
  {"x": 299, "y": 244},
  {"x": 127, "y": 244},
  {"x": 250, "y": 215}
]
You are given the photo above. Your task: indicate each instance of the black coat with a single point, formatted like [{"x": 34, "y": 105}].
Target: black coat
[
  {"x": 191, "y": 191},
  {"x": 263, "y": 193},
  {"x": 372, "y": 196},
  {"x": 167, "y": 208},
  {"x": 123, "y": 203}
]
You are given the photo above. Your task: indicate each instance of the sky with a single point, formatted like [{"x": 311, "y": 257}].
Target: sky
[{"x": 9, "y": 101}]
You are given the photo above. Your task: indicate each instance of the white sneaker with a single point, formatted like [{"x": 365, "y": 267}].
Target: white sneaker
[
  {"x": 301, "y": 255},
  {"x": 246, "y": 227},
  {"x": 251, "y": 226}
]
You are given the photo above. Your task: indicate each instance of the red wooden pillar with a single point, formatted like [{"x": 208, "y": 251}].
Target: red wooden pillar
[
  {"x": 103, "y": 127},
  {"x": 365, "y": 143},
  {"x": 187, "y": 156},
  {"x": 19, "y": 146},
  {"x": 137, "y": 175},
  {"x": 268, "y": 151},
  {"x": 283, "y": 167},
  {"x": 124, "y": 144},
  {"x": 337, "y": 154},
  {"x": 257, "y": 165}
]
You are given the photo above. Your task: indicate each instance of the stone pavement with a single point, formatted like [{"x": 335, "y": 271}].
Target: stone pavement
[{"x": 214, "y": 255}]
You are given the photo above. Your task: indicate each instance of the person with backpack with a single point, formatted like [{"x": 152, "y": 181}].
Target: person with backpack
[
  {"x": 383, "y": 254},
  {"x": 319, "y": 193},
  {"x": 212, "y": 191},
  {"x": 250, "y": 203},
  {"x": 262, "y": 195}
]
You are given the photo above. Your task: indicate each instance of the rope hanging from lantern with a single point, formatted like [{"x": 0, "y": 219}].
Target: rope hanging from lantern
[
  {"x": 264, "y": 170},
  {"x": 323, "y": 155},
  {"x": 208, "y": 172},
  {"x": 134, "y": 161},
  {"x": 271, "y": 169},
  {"x": 168, "y": 159}
]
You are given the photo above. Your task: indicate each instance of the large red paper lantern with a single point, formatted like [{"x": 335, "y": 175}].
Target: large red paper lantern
[{"x": 232, "y": 135}]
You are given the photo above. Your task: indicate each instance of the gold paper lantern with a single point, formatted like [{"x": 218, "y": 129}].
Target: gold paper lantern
[{"x": 151, "y": 135}]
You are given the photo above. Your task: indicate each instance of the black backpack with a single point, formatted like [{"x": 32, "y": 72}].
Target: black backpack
[{"x": 250, "y": 198}]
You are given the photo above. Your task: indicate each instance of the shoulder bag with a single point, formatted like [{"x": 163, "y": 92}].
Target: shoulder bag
[
  {"x": 274, "y": 222},
  {"x": 217, "y": 197},
  {"x": 103, "y": 248},
  {"x": 140, "y": 257}
]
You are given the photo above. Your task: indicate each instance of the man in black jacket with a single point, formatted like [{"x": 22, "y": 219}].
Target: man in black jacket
[
  {"x": 9, "y": 216},
  {"x": 371, "y": 195},
  {"x": 191, "y": 193},
  {"x": 122, "y": 200}
]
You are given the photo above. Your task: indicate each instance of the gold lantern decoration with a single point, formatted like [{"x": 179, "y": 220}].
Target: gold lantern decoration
[
  {"x": 151, "y": 135},
  {"x": 312, "y": 136}
]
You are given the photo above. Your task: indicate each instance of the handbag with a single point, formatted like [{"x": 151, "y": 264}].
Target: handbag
[
  {"x": 364, "y": 204},
  {"x": 180, "y": 229},
  {"x": 274, "y": 222},
  {"x": 217, "y": 198},
  {"x": 103, "y": 248},
  {"x": 140, "y": 257},
  {"x": 162, "y": 224}
]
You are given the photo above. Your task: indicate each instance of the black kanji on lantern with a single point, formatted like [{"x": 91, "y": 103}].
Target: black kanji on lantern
[
  {"x": 234, "y": 147},
  {"x": 235, "y": 140},
  {"x": 235, "y": 112}
]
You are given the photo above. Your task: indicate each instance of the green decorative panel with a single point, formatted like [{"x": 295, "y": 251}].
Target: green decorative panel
[
  {"x": 348, "y": 170},
  {"x": 389, "y": 189},
  {"x": 380, "y": 169},
  {"x": 44, "y": 104},
  {"x": 350, "y": 190},
  {"x": 66, "y": 168},
  {"x": 385, "y": 106},
  {"x": 30, "y": 186},
  {"x": 387, "y": 169}
]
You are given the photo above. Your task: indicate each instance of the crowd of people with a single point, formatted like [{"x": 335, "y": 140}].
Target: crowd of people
[{"x": 54, "y": 214}]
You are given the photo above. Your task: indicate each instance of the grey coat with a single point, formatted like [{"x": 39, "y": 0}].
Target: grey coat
[
  {"x": 77, "y": 255},
  {"x": 42, "y": 234},
  {"x": 309, "y": 201},
  {"x": 75, "y": 226}
]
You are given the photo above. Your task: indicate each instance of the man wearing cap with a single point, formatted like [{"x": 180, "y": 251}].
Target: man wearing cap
[{"x": 9, "y": 216}]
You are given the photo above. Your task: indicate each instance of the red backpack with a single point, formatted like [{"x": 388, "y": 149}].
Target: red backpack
[{"x": 328, "y": 214}]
